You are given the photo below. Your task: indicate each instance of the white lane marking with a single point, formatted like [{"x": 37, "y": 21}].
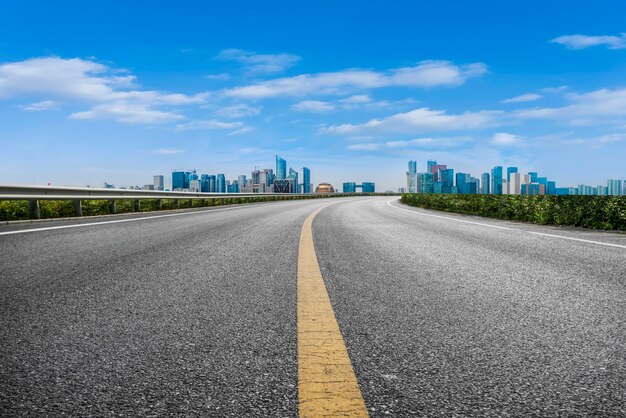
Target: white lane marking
[
  {"x": 50, "y": 228},
  {"x": 543, "y": 234}
]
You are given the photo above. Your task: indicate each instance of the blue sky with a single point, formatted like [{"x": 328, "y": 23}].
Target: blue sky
[{"x": 119, "y": 91}]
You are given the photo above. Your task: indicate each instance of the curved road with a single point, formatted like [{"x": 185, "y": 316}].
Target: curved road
[{"x": 195, "y": 314}]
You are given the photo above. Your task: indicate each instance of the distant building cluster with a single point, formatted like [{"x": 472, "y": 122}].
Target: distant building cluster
[{"x": 438, "y": 178}]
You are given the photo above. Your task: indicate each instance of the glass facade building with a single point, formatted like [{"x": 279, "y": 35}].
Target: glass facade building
[
  {"x": 496, "y": 180},
  {"x": 281, "y": 168},
  {"x": 306, "y": 180}
]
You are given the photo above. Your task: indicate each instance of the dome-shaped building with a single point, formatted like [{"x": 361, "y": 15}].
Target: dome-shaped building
[{"x": 324, "y": 188}]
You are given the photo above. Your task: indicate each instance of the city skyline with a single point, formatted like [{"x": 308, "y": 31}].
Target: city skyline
[{"x": 424, "y": 83}]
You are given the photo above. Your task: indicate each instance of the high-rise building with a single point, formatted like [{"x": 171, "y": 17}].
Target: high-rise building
[
  {"x": 194, "y": 185},
  {"x": 205, "y": 185},
  {"x": 180, "y": 180},
  {"x": 496, "y": 180},
  {"x": 293, "y": 176},
  {"x": 158, "y": 182},
  {"x": 462, "y": 183},
  {"x": 368, "y": 187},
  {"x": 435, "y": 169},
  {"x": 281, "y": 168},
  {"x": 485, "y": 183},
  {"x": 429, "y": 165},
  {"x": 241, "y": 180},
  {"x": 425, "y": 183},
  {"x": 515, "y": 183},
  {"x": 306, "y": 180},
  {"x": 509, "y": 171},
  {"x": 221, "y": 184},
  {"x": 411, "y": 177},
  {"x": 614, "y": 187},
  {"x": 349, "y": 187}
]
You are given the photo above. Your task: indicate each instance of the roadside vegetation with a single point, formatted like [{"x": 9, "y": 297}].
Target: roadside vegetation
[
  {"x": 599, "y": 212},
  {"x": 11, "y": 210}
]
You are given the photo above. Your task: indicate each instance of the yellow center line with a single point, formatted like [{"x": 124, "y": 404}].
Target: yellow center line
[{"x": 327, "y": 385}]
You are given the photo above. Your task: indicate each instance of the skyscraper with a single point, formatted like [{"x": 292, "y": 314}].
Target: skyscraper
[
  {"x": 293, "y": 176},
  {"x": 368, "y": 187},
  {"x": 425, "y": 183},
  {"x": 496, "y": 180},
  {"x": 158, "y": 182},
  {"x": 306, "y": 180},
  {"x": 509, "y": 171},
  {"x": 485, "y": 183},
  {"x": 180, "y": 180},
  {"x": 221, "y": 183},
  {"x": 349, "y": 187},
  {"x": 411, "y": 177},
  {"x": 614, "y": 187},
  {"x": 429, "y": 165},
  {"x": 515, "y": 183},
  {"x": 281, "y": 168}
]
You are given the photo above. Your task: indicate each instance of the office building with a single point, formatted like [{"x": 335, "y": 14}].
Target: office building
[
  {"x": 349, "y": 187},
  {"x": 411, "y": 177},
  {"x": 180, "y": 180},
  {"x": 614, "y": 187},
  {"x": 220, "y": 184},
  {"x": 485, "y": 180},
  {"x": 281, "y": 168},
  {"x": 496, "y": 180},
  {"x": 293, "y": 177},
  {"x": 515, "y": 183},
  {"x": 368, "y": 187},
  {"x": 509, "y": 171},
  {"x": 158, "y": 182},
  {"x": 306, "y": 180}
]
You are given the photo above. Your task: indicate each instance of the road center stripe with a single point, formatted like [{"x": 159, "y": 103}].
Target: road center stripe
[{"x": 327, "y": 385}]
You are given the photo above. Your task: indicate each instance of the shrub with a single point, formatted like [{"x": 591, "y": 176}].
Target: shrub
[{"x": 599, "y": 212}]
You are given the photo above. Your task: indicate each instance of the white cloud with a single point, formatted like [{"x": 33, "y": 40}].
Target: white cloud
[
  {"x": 41, "y": 106},
  {"x": 584, "y": 41},
  {"x": 315, "y": 106},
  {"x": 505, "y": 139},
  {"x": 585, "y": 109},
  {"x": 418, "y": 120},
  {"x": 417, "y": 143},
  {"x": 167, "y": 151},
  {"x": 222, "y": 76},
  {"x": 424, "y": 74},
  {"x": 208, "y": 124},
  {"x": 241, "y": 131},
  {"x": 248, "y": 150},
  {"x": 111, "y": 93},
  {"x": 238, "y": 111},
  {"x": 528, "y": 97},
  {"x": 126, "y": 113},
  {"x": 357, "y": 99},
  {"x": 259, "y": 64}
]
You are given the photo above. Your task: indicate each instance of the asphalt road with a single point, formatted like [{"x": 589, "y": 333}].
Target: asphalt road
[{"x": 195, "y": 314}]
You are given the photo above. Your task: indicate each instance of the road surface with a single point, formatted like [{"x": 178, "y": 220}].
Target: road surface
[{"x": 196, "y": 314}]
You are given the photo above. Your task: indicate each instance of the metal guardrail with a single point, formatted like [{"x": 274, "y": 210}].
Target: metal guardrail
[{"x": 33, "y": 194}]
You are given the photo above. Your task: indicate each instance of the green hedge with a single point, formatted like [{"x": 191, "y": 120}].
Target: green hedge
[
  {"x": 599, "y": 212},
  {"x": 11, "y": 210}
]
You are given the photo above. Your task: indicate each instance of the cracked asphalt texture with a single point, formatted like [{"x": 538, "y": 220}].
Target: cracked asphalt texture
[{"x": 196, "y": 315}]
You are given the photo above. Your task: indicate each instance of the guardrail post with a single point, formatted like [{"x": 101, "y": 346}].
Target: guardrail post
[
  {"x": 112, "y": 206},
  {"x": 78, "y": 207},
  {"x": 177, "y": 203},
  {"x": 33, "y": 207},
  {"x": 190, "y": 204},
  {"x": 137, "y": 205},
  {"x": 159, "y": 204}
]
